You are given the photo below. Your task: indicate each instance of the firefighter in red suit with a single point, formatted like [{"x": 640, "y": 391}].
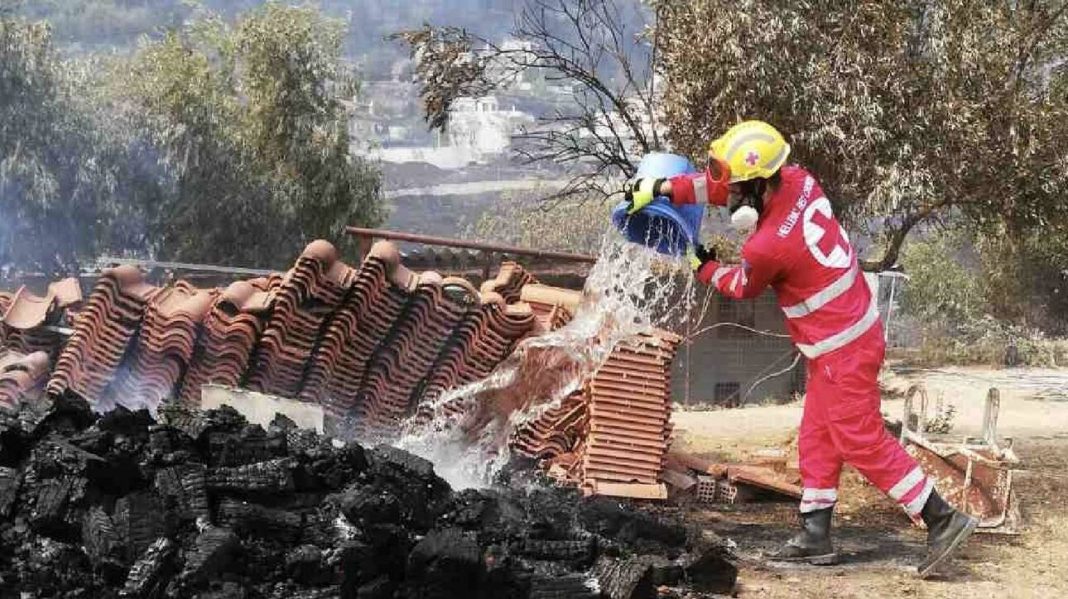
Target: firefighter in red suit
[{"x": 797, "y": 247}]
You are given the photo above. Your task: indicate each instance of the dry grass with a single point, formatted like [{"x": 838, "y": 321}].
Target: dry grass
[{"x": 881, "y": 548}]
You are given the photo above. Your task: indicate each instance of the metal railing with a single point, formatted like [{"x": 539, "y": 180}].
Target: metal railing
[
  {"x": 230, "y": 270},
  {"x": 366, "y": 236}
]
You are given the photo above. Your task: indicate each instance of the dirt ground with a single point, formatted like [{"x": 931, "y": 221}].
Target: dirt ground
[{"x": 879, "y": 546}]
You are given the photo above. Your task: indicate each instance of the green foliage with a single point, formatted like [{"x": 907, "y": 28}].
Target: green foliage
[
  {"x": 216, "y": 143},
  {"x": 65, "y": 184},
  {"x": 905, "y": 111},
  {"x": 980, "y": 299},
  {"x": 941, "y": 290},
  {"x": 990, "y": 342},
  {"x": 252, "y": 131},
  {"x": 1025, "y": 276},
  {"x": 88, "y": 24},
  {"x": 943, "y": 420},
  {"x": 446, "y": 61},
  {"x": 98, "y": 24}
]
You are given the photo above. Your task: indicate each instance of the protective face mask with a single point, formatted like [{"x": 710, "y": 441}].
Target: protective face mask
[{"x": 744, "y": 219}]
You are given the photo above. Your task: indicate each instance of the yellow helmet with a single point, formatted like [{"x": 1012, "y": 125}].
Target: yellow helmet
[{"x": 752, "y": 149}]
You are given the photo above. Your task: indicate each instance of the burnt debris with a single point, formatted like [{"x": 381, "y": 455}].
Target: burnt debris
[{"x": 209, "y": 506}]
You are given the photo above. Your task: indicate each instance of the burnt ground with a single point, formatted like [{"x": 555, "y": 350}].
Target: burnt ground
[
  {"x": 207, "y": 505},
  {"x": 880, "y": 548},
  {"x": 121, "y": 506}
]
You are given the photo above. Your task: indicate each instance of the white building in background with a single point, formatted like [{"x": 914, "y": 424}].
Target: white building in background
[
  {"x": 479, "y": 125},
  {"x": 518, "y": 53},
  {"x": 479, "y": 132}
]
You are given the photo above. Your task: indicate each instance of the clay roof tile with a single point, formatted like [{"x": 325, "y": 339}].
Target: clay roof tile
[{"x": 28, "y": 311}]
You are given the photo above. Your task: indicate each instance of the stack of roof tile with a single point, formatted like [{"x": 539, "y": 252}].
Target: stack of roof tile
[
  {"x": 231, "y": 329},
  {"x": 22, "y": 377},
  {"x": 28, "y": 311},
  {"x": 24, "y": 316},
  {"x": 556, "y": 432},
  {"x": 612, "y": 436},
  {"x": 164, "y": 347},
  {"x": 506, "y": 326},
  {"x": 454, "y": 365},
  {"x": 23, "y": 320},
  {"x": 355, "y": 331},
  {"x": 483, "y": 338},
  {"x": 371, "y": 344},
  {"x": 103, "y": 330},
  {"x": 630, "y": 412},
  {"x": 34, "y": 340},
  {"x": 25, "y": 310},
  {"x": 398, "y": 369},
  {"x": 310, "y": 292},
  {"x": 5, "y": 303}
]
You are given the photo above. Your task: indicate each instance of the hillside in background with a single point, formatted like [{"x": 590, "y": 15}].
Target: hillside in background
[{"x": 104, "y": 25}]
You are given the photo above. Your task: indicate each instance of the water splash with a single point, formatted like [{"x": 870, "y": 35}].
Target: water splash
[{"x": 629, "y": 290}]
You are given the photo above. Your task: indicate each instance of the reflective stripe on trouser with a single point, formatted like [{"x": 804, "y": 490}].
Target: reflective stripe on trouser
[
  {"x": 842, "y": 424},
  {"x": 817, "y": 499}
]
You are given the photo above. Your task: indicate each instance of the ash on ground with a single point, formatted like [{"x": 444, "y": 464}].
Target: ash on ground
[{"x": 210, "y": 506}]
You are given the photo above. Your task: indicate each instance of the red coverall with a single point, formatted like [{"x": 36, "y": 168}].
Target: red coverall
[{"x": 800, "y": 250}]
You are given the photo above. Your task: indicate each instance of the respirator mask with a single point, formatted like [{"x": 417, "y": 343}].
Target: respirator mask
[{"x": 746, "y": 204}]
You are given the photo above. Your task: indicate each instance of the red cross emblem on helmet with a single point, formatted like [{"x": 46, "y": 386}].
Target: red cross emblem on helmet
[{"x": 751, "y": 158}]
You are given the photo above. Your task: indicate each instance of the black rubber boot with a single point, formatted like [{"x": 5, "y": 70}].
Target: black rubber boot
[
  {"x": 813, "y": 543},
  {"x": 947, "y": 529}
]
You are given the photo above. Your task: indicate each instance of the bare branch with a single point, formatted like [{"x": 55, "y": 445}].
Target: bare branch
[
  {"x": 897, "y": 235},
  {"x": 579, "y": 41}
]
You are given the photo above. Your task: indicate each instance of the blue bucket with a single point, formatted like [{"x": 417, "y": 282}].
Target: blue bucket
[{"x": 661, "y": 226}]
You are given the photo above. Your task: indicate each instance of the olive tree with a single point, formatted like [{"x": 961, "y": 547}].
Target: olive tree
[
  {"x": 907, "y": 112},
  {"x": 220, "y": 142},
  {"x": 68, "y": 188},
  {"x": 249, "y": 123}
]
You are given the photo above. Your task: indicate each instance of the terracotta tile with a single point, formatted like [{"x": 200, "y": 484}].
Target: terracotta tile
[
  {"x": 636, "y": 491},
  {"x": 608, "y": 448},
  {"x": 592, "y": 474},
  {"x": 373, "y": 342},
  {"x": 765, "y": 478},
  {"x": 509, "y": 282},
  {"x": 28, "y": 311},
  {"x": 112, "y": 315},
  {"x": 22, "y": 376},
  {"x": 628, "y": 441},
  {"x": 547, "y": 298}
]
